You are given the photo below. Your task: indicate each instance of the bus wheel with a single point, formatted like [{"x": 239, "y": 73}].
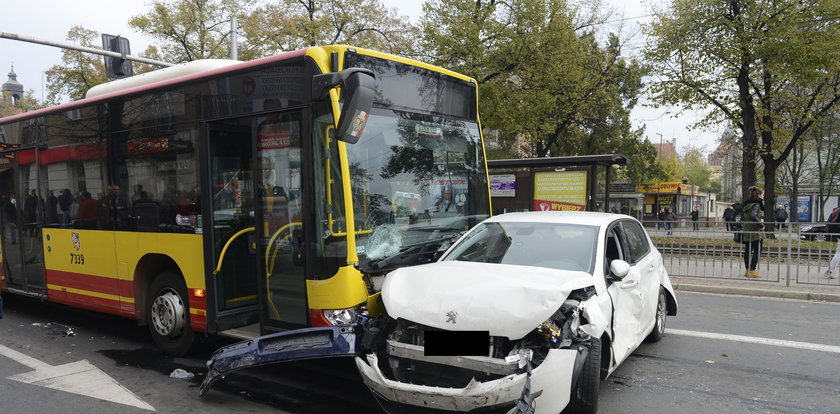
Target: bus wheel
[{"x": 168, "y": 314}]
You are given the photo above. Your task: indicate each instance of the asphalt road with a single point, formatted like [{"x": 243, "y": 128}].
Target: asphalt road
[{"x": 722, "y": 354}]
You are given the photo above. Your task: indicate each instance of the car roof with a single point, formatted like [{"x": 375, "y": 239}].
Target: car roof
[{"x": 561, "y": 217}]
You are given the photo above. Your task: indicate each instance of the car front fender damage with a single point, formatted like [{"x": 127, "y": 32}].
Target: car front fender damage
[{"x": 533, "y": 374}]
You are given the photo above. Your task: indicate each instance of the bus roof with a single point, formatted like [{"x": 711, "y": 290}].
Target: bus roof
[{"x": 157, "y": 79}]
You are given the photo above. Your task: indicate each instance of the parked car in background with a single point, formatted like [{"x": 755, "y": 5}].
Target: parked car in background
[{"x": 817, "y": 232}]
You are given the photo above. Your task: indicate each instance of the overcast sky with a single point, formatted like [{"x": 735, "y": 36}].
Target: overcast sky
[{"x": 50, "y": 20}]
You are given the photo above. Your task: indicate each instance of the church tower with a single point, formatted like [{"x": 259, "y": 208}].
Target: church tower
[{"x": 12, "y": 89}]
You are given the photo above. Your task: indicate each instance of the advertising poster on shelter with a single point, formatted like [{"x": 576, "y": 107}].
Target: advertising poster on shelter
[{"x": 560, "y": 191}]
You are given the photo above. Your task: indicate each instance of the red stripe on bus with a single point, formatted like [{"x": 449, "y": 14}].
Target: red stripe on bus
[
  {"x": 98, "y": 284},
  {"x": 89, "y": 302},
  {"x": 198, "y": 323},
  {"x": 197, "y": 302}
]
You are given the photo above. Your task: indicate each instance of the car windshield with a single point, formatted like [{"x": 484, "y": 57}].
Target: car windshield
[{"x": 551, "y": 245}]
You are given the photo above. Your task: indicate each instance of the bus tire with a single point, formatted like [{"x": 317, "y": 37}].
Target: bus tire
[{"x": 168, "y": 314}]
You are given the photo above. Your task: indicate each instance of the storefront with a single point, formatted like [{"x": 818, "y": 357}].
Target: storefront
[{"x": 678, "y": 197}]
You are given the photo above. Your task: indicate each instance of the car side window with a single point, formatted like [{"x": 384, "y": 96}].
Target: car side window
[
  {"x": 637, "y": 241},
  {"x": 613, "y": 250}
]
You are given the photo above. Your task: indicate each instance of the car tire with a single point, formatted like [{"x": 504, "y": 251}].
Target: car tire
[
  {"x": 167, "y": 314},
  {"x": 584, "y": 396},
  {"x": 821, "y": 237},
  {"x": 659, "y": 318}
]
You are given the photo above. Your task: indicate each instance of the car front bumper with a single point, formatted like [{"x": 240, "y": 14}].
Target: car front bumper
[{"x": 550, "y": 383}]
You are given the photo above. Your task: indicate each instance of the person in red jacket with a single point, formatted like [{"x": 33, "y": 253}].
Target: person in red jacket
[{"x": 89, "y": 212}]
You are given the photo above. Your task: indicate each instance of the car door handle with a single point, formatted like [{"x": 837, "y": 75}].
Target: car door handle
[{"x": 630, "y": 284}]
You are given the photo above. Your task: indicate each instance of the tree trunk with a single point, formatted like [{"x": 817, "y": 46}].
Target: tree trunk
[
  {"x": 750, "y": 137},
  {"x": 770, "y": 166}
]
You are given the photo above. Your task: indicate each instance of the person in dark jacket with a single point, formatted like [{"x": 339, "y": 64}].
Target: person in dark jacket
[
  {"x": 695, "y": 216},
  {"x": 729, "y": 217},
  {"x": 752, "y": 218},
  {"x": 781, "y": 217},
  {"x": 670, "y": 217},
  {"x": 65, "y": 200},
  {"x": 833, "y": 226}
]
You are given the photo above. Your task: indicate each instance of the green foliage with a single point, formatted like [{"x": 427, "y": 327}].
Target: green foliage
[
  {"x": 771, "y": 68},
  {"x": 695, "y": 168},
  {"x": 79, "y": 71},
  {"x": 26, "y": 103},
  {"x": 286, "y": 25},
  {"x": 189, "y": 29},
  {"x": 548, "y": 88}
]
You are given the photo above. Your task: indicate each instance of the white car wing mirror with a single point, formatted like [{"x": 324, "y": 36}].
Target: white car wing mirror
[{"x": 619, "y": 269}]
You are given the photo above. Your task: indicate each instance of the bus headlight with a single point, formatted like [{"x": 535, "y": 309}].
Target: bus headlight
[{"x": 339, "y": 317}]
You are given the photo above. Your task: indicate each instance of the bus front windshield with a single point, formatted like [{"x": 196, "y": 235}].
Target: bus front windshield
[{"x": 417, "y": 179}]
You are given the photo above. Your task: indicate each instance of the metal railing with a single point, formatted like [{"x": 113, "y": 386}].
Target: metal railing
[{"x": 797, "y": 253}]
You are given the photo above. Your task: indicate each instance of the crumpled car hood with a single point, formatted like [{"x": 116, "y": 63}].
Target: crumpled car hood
[{"x": 506, "y": 300}]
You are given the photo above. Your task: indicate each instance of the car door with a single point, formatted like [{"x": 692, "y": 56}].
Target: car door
[
  {"x": 649, "y": 263},
  {"x": 626, "y": 296}
]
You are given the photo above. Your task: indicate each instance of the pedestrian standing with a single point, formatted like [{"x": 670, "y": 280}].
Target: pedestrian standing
[
  {"x": 781, "y": 217},
  {"x": 660, "y": 217},
  {"x": 670, "y": 217},
  {"x": 729, "y": 217},
  {"x": 695, "y": 215},
  {"x": 752, "y": 218},
  {"x": 833, "y": 230}
]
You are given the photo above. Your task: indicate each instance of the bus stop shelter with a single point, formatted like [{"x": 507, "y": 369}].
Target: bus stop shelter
[{"x": 574, "y": 183}]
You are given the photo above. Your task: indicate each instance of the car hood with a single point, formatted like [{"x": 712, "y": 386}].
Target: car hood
[{"x": 506, "y": 300}]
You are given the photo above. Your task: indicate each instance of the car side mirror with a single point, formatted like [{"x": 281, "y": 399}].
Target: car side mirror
[
  {"x": 619, "y": 269},
  {"x": 358, "y": 93}
]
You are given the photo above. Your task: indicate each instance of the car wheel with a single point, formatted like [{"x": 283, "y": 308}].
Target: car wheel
[
  {"x": 819, "y": 237},
  {"x": 168, "y": 314},
  {"x": 660, "y": 318},
  {"x": 584, "y": 398}
]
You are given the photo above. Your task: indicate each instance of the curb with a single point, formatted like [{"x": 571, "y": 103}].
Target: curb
[{"x": 748, "y": 291}]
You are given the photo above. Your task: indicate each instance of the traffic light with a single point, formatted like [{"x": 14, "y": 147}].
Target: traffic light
[{"x": 117, "y": 68}]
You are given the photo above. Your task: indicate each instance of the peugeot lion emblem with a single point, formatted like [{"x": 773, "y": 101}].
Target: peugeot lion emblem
[{"x": 450, "y": 316}]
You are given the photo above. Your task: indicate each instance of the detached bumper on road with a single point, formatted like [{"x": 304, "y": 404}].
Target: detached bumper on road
[{"x": 550, "y": 383}]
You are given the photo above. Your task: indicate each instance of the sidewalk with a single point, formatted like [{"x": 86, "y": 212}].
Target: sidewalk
[{"x": 756, "y": 288}]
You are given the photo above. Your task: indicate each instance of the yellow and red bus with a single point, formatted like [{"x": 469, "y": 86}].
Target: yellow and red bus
[{"x": 227, "y": 197}]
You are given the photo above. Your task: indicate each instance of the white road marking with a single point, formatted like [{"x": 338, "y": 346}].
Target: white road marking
[
  {"x": 756, "y": 340},
  {"x": 79, "y": 377}
]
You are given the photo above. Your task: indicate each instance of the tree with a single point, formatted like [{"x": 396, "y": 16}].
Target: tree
[
  {"x": 769, "y": 67},
  {"x": 26, "y": 103},
  {"x": 547, "y": 86},
  {"x": 695, "y": 168},
  {"x": 826, "y": 142},
  {"x": 293, "y": 24},
  {"x": 190, "y": 29},
  {"x": 79, "y": 71}
]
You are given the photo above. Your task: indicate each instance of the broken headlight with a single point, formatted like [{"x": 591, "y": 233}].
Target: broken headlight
[{"x": 340, "y": 317}]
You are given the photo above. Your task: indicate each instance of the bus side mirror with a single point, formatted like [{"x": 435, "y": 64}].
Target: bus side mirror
[{"x": 358, "y": 93}]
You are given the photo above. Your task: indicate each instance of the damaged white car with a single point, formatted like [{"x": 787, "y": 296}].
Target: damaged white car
[{"x": 525, "y": 313}]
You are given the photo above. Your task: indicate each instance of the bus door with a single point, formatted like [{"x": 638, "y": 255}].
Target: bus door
[
  {"x": 280, "y": 237},
  {"x": 255, "y": 223},
  {"x": 231, "y": 241},
  {"x": 22, "y": 207}
]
